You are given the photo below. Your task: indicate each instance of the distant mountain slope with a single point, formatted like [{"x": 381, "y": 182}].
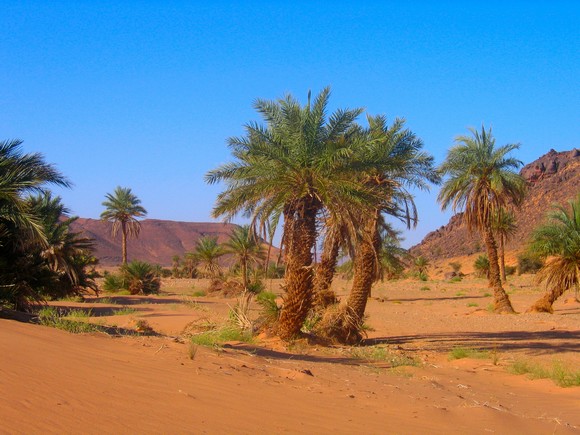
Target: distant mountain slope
[
  {"x": 553, "y": 178},
  {"x": 158, "y": 241}
]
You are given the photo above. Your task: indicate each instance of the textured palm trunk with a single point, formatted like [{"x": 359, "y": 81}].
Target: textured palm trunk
[
  {"x": 364, "y": 269},
  {"x": 300, "y": 233},
  {"x": 244, "y": 265},
  {"x": 124, "y": 242},
  {"x": 324, "y": 296},
  {"x": 501, "y": 301},
  {"x": 544, "y": 304},
  {"x": 502, "y": 259}
]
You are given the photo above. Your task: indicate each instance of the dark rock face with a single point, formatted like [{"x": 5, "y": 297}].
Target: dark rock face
[{"x": 553, "y": 178}]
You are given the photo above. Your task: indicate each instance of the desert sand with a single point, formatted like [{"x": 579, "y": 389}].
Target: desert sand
[{"x": 56, "y": 382}]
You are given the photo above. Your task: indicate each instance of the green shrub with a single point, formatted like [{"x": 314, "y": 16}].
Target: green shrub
[
  {"x": 529, "y": 263},
  {"x": 510, "y": 270},
  {"x": 113, "y": 282},
  {"x": 481, "y": 265},
  {"x": 466, "y": 352}
]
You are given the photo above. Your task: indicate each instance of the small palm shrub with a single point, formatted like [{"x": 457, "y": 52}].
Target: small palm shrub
[
  {"x": 481, "y": 265},
  {"x": 529, "y": 262},
  {"x": 140, "y": 278}
]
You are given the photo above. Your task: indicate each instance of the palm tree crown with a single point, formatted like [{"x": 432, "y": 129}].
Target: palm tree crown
[
  {"x": 122, "y": 209},
  {"x": 246, "y": 247},
  {"x": 481, "y": 178}
]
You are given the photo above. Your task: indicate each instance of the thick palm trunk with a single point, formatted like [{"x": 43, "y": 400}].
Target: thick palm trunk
[
  {"x": 124, "y": 242},
  {"x": 544, "y": 304},
  {"x": 502, "y": 259},
  {"x": 501, "y": 301},
  {"x": 365, "y": 269},
  {"x": 324, "y": 296},
  {"x": 300, "y": 233}
]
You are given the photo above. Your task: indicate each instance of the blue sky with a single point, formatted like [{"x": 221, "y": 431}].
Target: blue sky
[{"x": 144, "y": 94}]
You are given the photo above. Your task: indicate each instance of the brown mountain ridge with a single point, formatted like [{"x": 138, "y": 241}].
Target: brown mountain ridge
[
  {"x": 553, "y": 178},
  {"x": 158, "y": 241}
]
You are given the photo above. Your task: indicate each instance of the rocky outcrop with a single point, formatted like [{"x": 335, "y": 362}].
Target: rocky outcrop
[{"x": 553, "y": 178}]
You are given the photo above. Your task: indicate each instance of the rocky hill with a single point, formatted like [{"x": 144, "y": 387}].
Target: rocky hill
[
  {"x": 158, "y": 241},
  {"x": 553, "y": 178}
]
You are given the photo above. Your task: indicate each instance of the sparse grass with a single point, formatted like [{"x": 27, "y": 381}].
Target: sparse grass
[
  {"x": 50, "y": 316},
  {"x": 425, "y": 288},
  {"x": 486, "y": 294},
  {"x": 466, "y": 352},
  {"x": 124, "y": 311},
  {"x": 490, "y": 308},
  {"x": 192, "y": 350},
  {"x": 561, "y": 374},
  {"x": 459, "y": 294},
  {"x": 198, "y": 294},
  {"x": 108, "y": 301},
  {"x": 382, "y": 354},
  {"x": 217, "y": 337},
  {"x": 143, "y": 327},
  {"x": 472, "y": 304},
  {"x": 79, "y": 314},
  {"x": 397, "y": 302},
  {"x": 455, "y": 279},
  {"x": 192, "y": 303}
]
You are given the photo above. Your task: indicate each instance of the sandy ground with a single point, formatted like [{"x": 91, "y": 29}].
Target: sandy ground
[{"x": 52, "y": 381}]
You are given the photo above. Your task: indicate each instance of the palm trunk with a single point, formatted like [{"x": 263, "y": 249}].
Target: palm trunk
[
  {"x": 124, "y": 241},
  {"x": 365, "y": 269},
  {"x": 300, "y": 233},
  {"x": 501, "y": 301},
  {"x": 244, "y": 265},
  {"x": 324, "y": 296},
  {"x": 544, "y": 304},
  {"x": 502, "y": 259}
]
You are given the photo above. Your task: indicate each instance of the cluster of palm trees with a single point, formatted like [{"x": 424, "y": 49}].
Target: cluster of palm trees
[
  {"x": 333, "y": 183},
  {"x": 243, "y": 246},
  {"x": 323, "y": 175},
  {"x": 40, "y": 256}
]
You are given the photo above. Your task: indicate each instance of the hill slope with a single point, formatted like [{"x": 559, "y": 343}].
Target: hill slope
[
  {"x": 158, "y": 241},
  {"x": 553, "y": 178}
]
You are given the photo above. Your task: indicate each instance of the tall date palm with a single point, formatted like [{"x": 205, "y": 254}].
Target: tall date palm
[
  {"x": 482, "y": 179},
  {"x": 122, "y": 208}
]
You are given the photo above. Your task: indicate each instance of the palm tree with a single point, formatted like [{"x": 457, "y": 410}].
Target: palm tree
[
  {"x": 482, "y": 180},
  {"x": 296, "y": 165},
  {"x": 246, "y": 248},
  {"x": 207, "y": 253},
  {"x": 22, "y": 271},
  {"x": 421, "y": 264},
  {"x": 559, "y": 242},
  {"x": 122, "y": 209},
  {"x": 393, "y": 162},
  {"x": 504, "y": 226},
  {"x": 21, "y": 175}
]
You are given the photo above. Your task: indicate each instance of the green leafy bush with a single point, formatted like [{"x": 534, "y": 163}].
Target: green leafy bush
[{"x": 529, "y": 262}]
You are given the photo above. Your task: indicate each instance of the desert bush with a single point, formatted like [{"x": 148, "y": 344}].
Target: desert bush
[
  {"x": 510, "y": 270},
  {"x": 113, "y": 282},
  {"x": 380, "y": 353},
  {"x": 270, "y": 311},
  {"x": 529, "y": 262},
  {"x": 140, "y": 278},
  {"x": 481, "y": 265},
  {"x": 455, "y": 266},
  {"x": 275, "y": 271}
]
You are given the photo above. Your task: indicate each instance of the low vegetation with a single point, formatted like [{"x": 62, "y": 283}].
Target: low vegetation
[{"x": 560, "y": 373}]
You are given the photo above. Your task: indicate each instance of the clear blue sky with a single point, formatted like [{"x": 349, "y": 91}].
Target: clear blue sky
[{"x": 143, "y": 94}]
